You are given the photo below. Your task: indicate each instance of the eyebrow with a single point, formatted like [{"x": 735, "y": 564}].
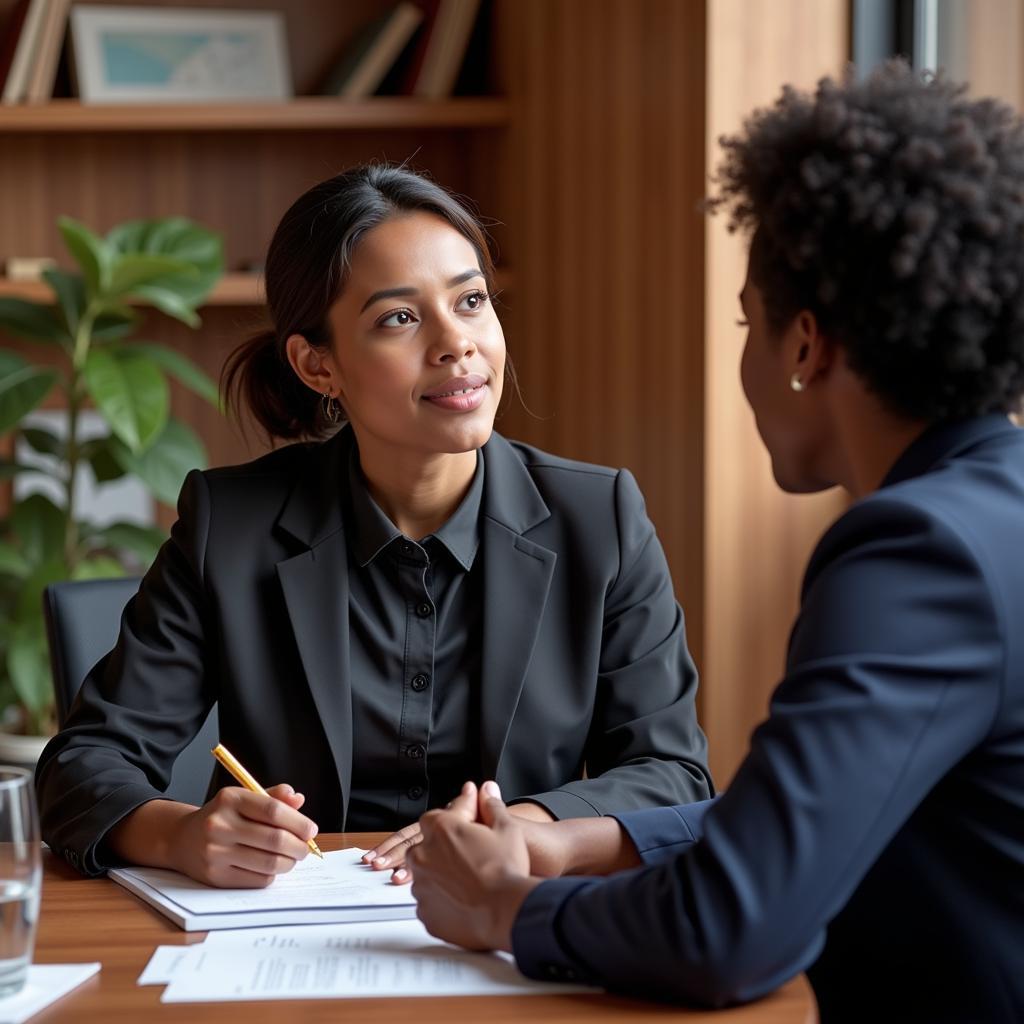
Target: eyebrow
[{"x": 408, "y": 292}]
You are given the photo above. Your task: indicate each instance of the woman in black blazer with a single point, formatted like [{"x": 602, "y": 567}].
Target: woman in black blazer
[{"x": 381, "y": 614}]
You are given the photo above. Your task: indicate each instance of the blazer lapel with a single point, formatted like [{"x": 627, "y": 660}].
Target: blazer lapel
[
  {"x": 517, "y": 576},
  {"x": 315, "y": 586}
]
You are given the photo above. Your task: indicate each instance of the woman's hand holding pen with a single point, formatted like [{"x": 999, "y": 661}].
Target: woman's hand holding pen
[
  {"x": 237, "y": 840},
  {"x": 243, "y": 840}
]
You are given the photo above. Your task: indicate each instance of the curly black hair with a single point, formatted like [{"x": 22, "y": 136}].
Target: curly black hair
[{"x": 893, "y": 209}]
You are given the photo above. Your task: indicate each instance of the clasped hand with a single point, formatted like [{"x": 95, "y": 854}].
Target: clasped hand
[{"x": 471, "y": 869}]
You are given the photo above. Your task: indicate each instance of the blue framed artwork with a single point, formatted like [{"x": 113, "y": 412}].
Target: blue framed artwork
[{"x": 178, "y": 55}]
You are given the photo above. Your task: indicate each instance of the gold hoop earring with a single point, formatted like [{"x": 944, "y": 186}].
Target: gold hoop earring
[
  {"x": 330, "y": 407},
  {"x": 796, "y": 383}
]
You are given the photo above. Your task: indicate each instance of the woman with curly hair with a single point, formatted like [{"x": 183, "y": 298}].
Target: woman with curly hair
[{"x": 874, "y": 835}]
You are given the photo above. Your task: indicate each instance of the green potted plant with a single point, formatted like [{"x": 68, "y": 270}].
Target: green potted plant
[{"x": 93, "y": 360}]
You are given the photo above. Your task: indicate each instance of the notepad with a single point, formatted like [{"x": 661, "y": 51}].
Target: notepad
[{"x": 335, "y": 890}]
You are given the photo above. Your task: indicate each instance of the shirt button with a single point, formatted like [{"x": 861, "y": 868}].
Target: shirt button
[
  {"x": 423, "y": 610},
  {"x": 420, "y": 682},
  {"x": 407, "y": 548},
  {"x": 415, "y": 751},
  {"x": 415, "y": 792}
]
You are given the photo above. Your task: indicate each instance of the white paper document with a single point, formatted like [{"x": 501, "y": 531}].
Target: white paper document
[
  {"x": 372, "y": 960},
  {"x": 163, "y": 965},
  {"x": 46, "y": 984},
  {"x": 336, "y": 889}
]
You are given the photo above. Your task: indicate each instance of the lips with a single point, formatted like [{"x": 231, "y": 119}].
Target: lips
[{"x": 456, "y": 386}]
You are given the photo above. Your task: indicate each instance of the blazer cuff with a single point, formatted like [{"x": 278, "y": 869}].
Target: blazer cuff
[
  {"x": 535, "y": 940},
  {"x": 561, "y": 804},
  {"x": 93, "y": 859},
  {"x": 660, "y": 833}
]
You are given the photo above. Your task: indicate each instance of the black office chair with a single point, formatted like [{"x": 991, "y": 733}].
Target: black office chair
[{"x": 82, "y": 622}]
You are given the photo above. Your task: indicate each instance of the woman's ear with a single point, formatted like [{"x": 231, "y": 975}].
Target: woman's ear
[
  {"x": 811, "y": 351},
  {"x": 313, "y": 365}
]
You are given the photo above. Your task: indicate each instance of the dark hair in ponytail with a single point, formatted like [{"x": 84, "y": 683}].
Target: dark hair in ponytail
[{"x": 307, "y": 265}]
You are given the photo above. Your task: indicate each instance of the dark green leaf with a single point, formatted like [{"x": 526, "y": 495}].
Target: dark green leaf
[
  {"x": 142, "y": 541},
  {"x": 182, "y": 368},
  {"x": 134, "y": 269},
  {"x": 28, "y": 664},
  {"x": 9, "y": 469},
  {"x": 70, "y": 292},
  {"x": 91, "y": 253},
  {"x": 169, "y": 300},
  {"x": 12, "y": 561},
  {"x": 21, "y": 391},
  {"x": 30, "y": 320},
  {"x": 39, "y": 526},
  {"x": 130, "y": 392},
  {"x": 43, "y": 441},
  {"x": 104, "y": 466},
  {"x": 114, "y": 324},
  {"x": 97, "y": 567},
  {"x": 164, "y": 465}
]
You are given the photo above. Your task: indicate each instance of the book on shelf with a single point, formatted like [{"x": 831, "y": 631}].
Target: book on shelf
[
  {"x": 373, "y": 53},
  {"x": 23, "y": 33},
  {"x": 435, "y": 68},
  {"x": 47, "y": 55}
]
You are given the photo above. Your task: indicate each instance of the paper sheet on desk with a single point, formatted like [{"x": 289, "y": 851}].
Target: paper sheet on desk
[
  {"x": 338, "y": 888},
  {"x": 46, "y": 984},
  {"x": 392, "y": 958}
]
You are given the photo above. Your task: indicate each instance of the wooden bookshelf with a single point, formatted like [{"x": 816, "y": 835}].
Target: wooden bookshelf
[
  {"x": 231, "y": 290},
  {"x": 308, "y": 113}
]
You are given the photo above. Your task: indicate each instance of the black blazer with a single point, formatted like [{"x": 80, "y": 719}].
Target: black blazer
[
  {"x": 585, "y": 665},
  {"x": 874, "y": 835}
]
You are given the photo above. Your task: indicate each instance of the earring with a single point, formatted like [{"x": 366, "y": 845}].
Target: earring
[
  {"x": 330, "y": 407},
  {"x": 796, "y": 383}
]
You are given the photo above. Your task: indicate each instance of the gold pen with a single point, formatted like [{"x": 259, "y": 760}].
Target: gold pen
[{"x": 232, "y": 764}]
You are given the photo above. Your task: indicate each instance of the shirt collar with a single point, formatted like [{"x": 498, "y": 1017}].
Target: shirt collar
[{"x": 373, "y": 531}]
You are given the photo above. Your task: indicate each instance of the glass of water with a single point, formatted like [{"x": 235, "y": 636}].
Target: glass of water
[{"x": 20, "y": 876}]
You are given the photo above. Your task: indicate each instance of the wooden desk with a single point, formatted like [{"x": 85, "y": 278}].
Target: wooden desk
[{"x": 95, "y": 919}]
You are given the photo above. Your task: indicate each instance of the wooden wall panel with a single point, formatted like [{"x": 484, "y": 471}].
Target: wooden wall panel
[
  {"x": 603, "y": 174},
  {"x": 757, "y": 539}
]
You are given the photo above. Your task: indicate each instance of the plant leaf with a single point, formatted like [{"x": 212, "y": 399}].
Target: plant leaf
[
  {"x": 43, "y": 441},
  {"x": 97, "y": 567},
  {"x": 9, "y": 469},
  {"x": 130, "y": 392},
  {"x": 104, "y": 466},
  {"x": 28, "y": 665},
  {"x": 134, "y": 269},
  {"x": 91, "y": 253},
  {"x": 169, "y": 301},
  {"x": 30, "y": 320},
  {"x": 12, "y": 562},
  {"x": 142, "y": 541},
  {"x": 70, "y": 291},
  {"x": 39, "y": 525},
  {"x": 114, "y": 323},
  {"x": 164, "y": 465},
  {"x": 21, "y": 391},
  {"x": 182, "y": 368}
]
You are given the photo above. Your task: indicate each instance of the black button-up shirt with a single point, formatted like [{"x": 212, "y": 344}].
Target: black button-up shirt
[{"x": 415, "y": 628}]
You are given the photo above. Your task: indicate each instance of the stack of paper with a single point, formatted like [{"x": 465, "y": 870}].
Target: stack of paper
[
  {"x": 356, "y": 961},
  {"x": 336, "y": 889}
]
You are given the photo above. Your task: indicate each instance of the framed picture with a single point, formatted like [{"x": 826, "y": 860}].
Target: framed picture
[{"x": 178, "y": 55}]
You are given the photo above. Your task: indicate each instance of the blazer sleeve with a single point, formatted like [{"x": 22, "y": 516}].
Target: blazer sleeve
[
  {"x": 139, "y": 706},
  {"x": 645, "y": 746},
  {"x": 895, "y": 673}
]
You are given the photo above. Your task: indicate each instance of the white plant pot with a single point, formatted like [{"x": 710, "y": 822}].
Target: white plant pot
[{"x": 21, "y": 751}]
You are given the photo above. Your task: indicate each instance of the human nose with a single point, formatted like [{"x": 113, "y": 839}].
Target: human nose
[{"x": 452, "y": 344}]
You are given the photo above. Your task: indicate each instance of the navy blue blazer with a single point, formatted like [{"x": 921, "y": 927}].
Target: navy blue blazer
[{"x": 874, "y": 835}]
